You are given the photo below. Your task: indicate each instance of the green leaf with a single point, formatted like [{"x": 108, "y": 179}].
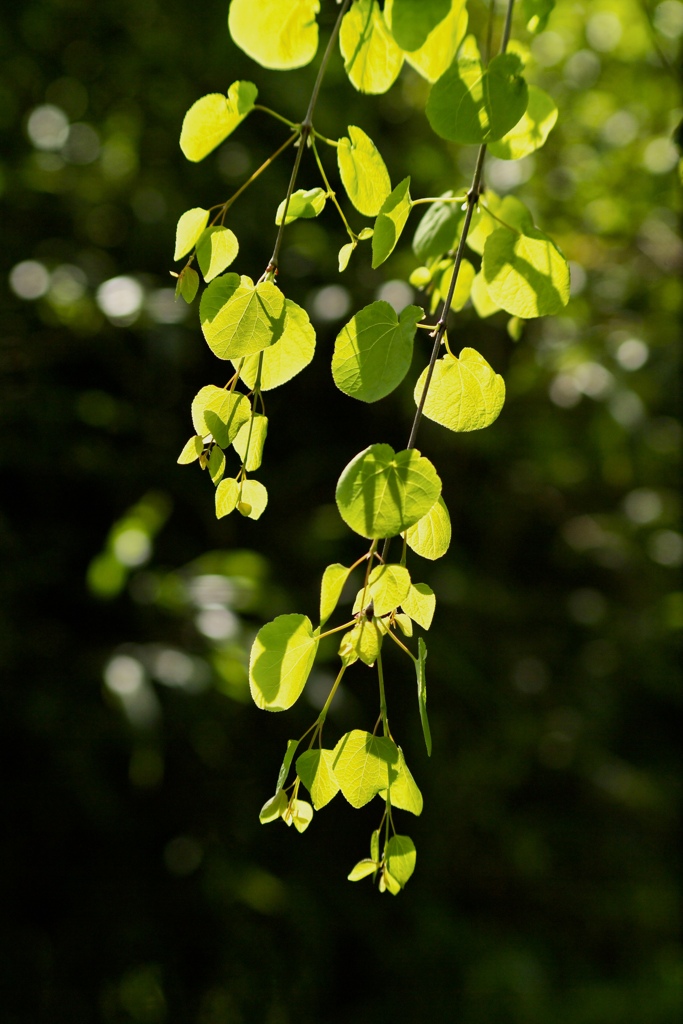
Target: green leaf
[
  {"x": 374, "y": 845},
  {"x": 253, "y": 500},
  {"x": 216, "y": 249},
  {"x": 298, "y": 813},
  {"x": 187, "y": 285},
  {"x": 463, "y": 285},
  {"x": 388, "y": 586},
  {"x": 282, "y": 657},
  {"x": 219, "y": 413},
  {"x": 362, "y": 869},
  {"x": 404, "y": 623},
  {"x": 530, "y": 133},
  {"x": 381, "y": 493},
  {"x": 257, "y": 427},
  {"x": 481, "y": 300},
  {"x": 464, "y": 394},
  {"x": 287, "y": 357},
  {"x": 227, "y": 496},
  {"x": 286, "y": 762},
  {"x": 315, "y": 769},
  {"x": 251, "y": 319},
  {"x": 474, "y": 104},
  {"x": 334, "y": 578},
  {"x": 274, "y": 808},
  {"x": 345, "y": 254},
  {"x": 482, "y": 223},
  {"x": 422, "y": 692},
  {"x": 413, "y": 20},
  {"x": 404, "y": 791},
  {"x": 525, "y": 272},
  {"x": 373, "y": 352},
  {"x": 364, "y": 764},
  {"x": 536, "y": 13},
  {"x": 212, "y": 118},
  {"x": 216, "y": 464},
  {"x": 192, "y": 450},
  {"x": 388, "y": 882},
  {"x": 438, "y": 231},
  {"x": 302, "y": 203},
  {"x": 275, "y": 35},
  {"x": 365, "y": 233},
  {"x": 372, "y": 59},
  {"x": 420, "y": 604},
  {"x": 363, "y": 172},
  {"x": 363, "y": 642},
  {"x": 400, "y": 858},
  {"x": 189, "y": 229},
  {"x": 430, "y": 537},
  {"x": 436, "y": 54},
  {"x": 390, "y": 222}
]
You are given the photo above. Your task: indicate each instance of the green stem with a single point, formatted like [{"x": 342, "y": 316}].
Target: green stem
[
  {"x": 337, "y": 629},
  {"x": 256, "y": 392},
  {"x": 320, "y": 721},
  {"x": 402, "y": 645},
  {"x": 383, "y": 699},
  {"x": 279, "y": 117},
  {"x": 224, "y": 207},
  {"x": 330, "y": 191},
  {"x": 438, "y": 199}
]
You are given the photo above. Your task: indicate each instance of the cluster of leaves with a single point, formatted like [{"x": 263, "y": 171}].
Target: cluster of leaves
[{"x": 268, "y": 339}]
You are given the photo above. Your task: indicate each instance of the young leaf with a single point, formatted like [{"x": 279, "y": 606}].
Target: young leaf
[
  {"x": 381, "y": 493},
  {"x": 288, "y": 356},
  {"x": 373, "y": 352},
  {"x": 216, "y": 464},
  {"x": 525, "y": 272},
  {"x": 364, "y": 764},
  {"x": 400, "y": 856},
  {"x": 536, "y": 13},
  {"x": 483, "y": 223},
  {"x": 274, "y": 808},
  {"x": 315, "y": 770},
  {"x": 299, "y": 813},
  {"x": 212, "y": 118},
  {"x": 463, "y": 285},
  {"x": 420, "y": 604},
  {"x": 275, "y": 35},
  {"x": 413, "y": 20},
  {"x": 474, "y": 104},
  {"x": 481, "y": 300},
  {"x": 227, "y": 496},
  {"x": 363, "y": 172},
  {"x": 374, "y": 845},
  {"x": 404, "y": 623},
  {"x": 282, "y": 657},
  {"x": 345, "y": 254},
  {"x": 334, "y": 578},
  {"x": 441, "y": 45},
  {"x": 404, "y": 791},
  {"x": 431, "y": 535},
  {"x": 390, "y": 222},
  {"x": 216, "y": 249},
  {"x": 531, "y": 132},
  {"x": 302, "y": 203},
  {"x": 253, "y": 500},
  {"x": 189, "y": 229},
  {"x": 251, "y": 320},
  {"x": 219, "y": 413},
  {"x": 257, "y": 427},
  {"x": 363, "y": 642},
  {"x": 362, "y": 869},
  {"x": 192, "y": 450},
  {"x": 388, "y": 586},
  {"x": 464, "y": 394},
  {"x": 422, "y": 692},
  {"x": 188, "y": 283},
  {"x": 372, "y": 59},
  {"x": 286, "y": 762},
  {"x": 388, "y": 883},
  {"x": 438, "y": 231}
]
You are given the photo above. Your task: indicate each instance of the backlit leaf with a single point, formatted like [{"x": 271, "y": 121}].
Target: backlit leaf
[
  {"x": 253, "y": 500},
  {"x": 192, "y": 450},
  {"x": 302, "y": 203},
  {"x": 345, "y": 254},
  {"x": 274, "y": 808},
  {"x": 413, "y": 20},
  {"x": 373, "y": 352},
  {"x": 388, "y": 585},
  {"x": 298, "y": 813},
  {"x": 439, "y": 49},
  {"x": 252, "y": 433},
  {"x": 404, "y": 791},
  {"x": 362, "y": 643},
  {"x": 282, "y": 657},
  {"x": 212, "y": 118},
  {"x": 219, "y": 413},
  {"x": 372, "y": 59},
  {"x": 188, "y": 231},
  {"x": 227, "y": 496},
  {"x": 276, "y": 35},
  {"x": 381, "y": 493},
  {"x": 216, "y": 249},
  {"x": 252, "y": 319},
  {"x": 525, "y": 272},
  {"x": 363, "y": 172},
  {"x": 464, "y": 393},
  {"x": 463, "y": 285},
  {"x": 188, "y": 283},
  {"x": 400, "y": 858},
  {"x": 422, "y": 692},
  {"x": 290, "y": 354},
  {"x": 364, "y": 764},
  {"x": 362, "y": 869},
  {"x": 315, "y": 769},
  {"x": 438, "y": 231},
  {"x": 536, "y": 13},
  {"x": 481, "y": 300},
  {"x": 474, "y": 104},
  {"x": 531, "y": 132},
  {"x": 334, "y": 578},
  {"x": 431, "y": 535},
  {"x": 216, "y": 464},
  {"x": 420, "y": 604},
  {"x": 390, "y": 222}
]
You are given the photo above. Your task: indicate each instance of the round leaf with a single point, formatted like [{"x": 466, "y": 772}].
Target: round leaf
[
  {"x": 253, "y": 498},
  {"x": 302, "y": 203},
  {"x": 441, "y": 45},
  {"x": 212, "y": 118},
  {"x": 282, "y": 657},
  {"x": 188, "y": 231},
  {"x": 216, "y": 249},
  {"x": 372, "y": 59},
  {"x": 464, "y": 393},
  {"x": 400, "y": 857},
  {"x": 473, "y": 104},
  {"x": 431, "y": 535},
  {"x": 363, "y": 172},
  {"x": 525, "y": 272},
  {"x": 364, "y": 764},
  {"x": 287, "y": 357},
  {"x": 388, "y": 586},
  {"x": 373, "y": 352},
  {"x": 250, "y": 320},
  {"x": 530, "y": 133},
  {"x": 227, "y": 496},
  {"x": 276, "y": 35},
  {"x": 315, "y": 770},
  {"x": 219, "y": 413}
]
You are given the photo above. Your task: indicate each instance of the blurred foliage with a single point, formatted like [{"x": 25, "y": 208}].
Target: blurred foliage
[{"x": 138, "y": 883}]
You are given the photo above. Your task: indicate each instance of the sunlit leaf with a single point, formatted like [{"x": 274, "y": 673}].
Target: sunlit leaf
[
  {"x": 422, "y": 692},
  {"x": 374, "y": 845},
  {"x": 212, "y": 118},
  {"x": 290, "y": 354},
  {"x": 413, "y": 20},
  {"x": 216, "y": 464},
  {"x": 388, "y": 883},
  {"x": 364, "y": 764},
  {"x": 388, "y": 586},
  {"x": 363, "y": 172},
  {"x": 438, "y": 231},
  {"x": 282, "y": 657},
  {"x": 401, "y": 855},
  {"x": 390, "y": 222},
  {"x": 274, "y": 808},
  {"x": 474, "y": 104},
  {"x": 420, "y": 604},
  {"x": 536, "y": 13},
  {"x": 252, "y": 433},
  {"x": 188, "y": 231},
  {"x": 315, "y": 769},
  {"x": 187, "y": 285},
  {"x": 216, "y": 249},
  {"x": 531, "y": 131},
  {"x": 362, "y": 643},
  {"x": 404, "y": 791},
  {"x": 253, "y": 500},
  {"x": 286, "y": 762},
  {"x": 431, "y": 535},
  {"x": 334, "y": 578},
  {"x": 227, "y": 496},
  {"x": 373, "y": 352},
  {"x": 276, "y": 35},
  {"x": 372, "y": 59},
  {"x": 191, "y": 451},
  {"x": 298, "y": 813},
  {"x": 345, "y": 254},
  {"x": 463, "y": 285},
  {"x": 439, "y": 49},
  {"x": 302, "y": 203},
  {"x": 219, "y": 413},
  {"x": 251, "y": 319},
  {"x": 464, "y": 393},
  {"x": 362, "y": 869},
  {"x": 481, "y": 300},
  {"x": 525, "y": 272}
]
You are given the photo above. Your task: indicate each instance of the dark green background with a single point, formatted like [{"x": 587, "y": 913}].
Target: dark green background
[{"x": 138, "y": 885}]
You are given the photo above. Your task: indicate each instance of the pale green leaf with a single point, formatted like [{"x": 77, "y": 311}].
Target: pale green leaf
[
  {"x": 282, "y": 657},
  {"x": 388, "y": 883},
  {"x": 436, "y": 53},
  {"x": 249, "y": 441},
  {"x": 212, "y": 118},
  {"x": 252, "y": 319},
  {"x": 422, "y": 692},
  {"x": 274, "y": 808},
  {"x": 302, "y": 203},
  {"x": 189, "y": 229},
  {"x": 187, "y": 284},
  {"x": 474, "y": 104},
  {"x": 404, "y": 623},
  {"x": 430, "y": 537},
  {"x": 345, "y": 254},
  {"x": 362, "y": 869},
  {"x": 413, "y": 20},
  {"x": 276, "y": 35},
  {"x": 315, "y": 769},
  {"x": 483, "y": 223},
  {"x": 365, "y": 233},
  {"x": 373, "y": 352},
  {"x": 420, "y": 604},
  {"x": 253, "y": 499},
  {"x": 286, "y": 762},
  {"x": 374, "y": 845},
  {"x": 381, "y": 492},
  {"x": 481, "y": 300},
  {"x": 227, "y": 496},
  {"x": 404, "y": 791},
  {"x": 192, "y": 450},
  {"x": 298, "y": 813},
  {"x": 438, "y": 231},
  {"x": 388, "y": 585},
  {"x": 216, "y": 249},
  {"x": 334, "y": 578},
  {"x": 364, "y": 764},
  {"x": 530, "y": 133},
  {"x": 216, "y": 464},
  {"x": 400, "y": 858},
  {"x": 219, "y": 413},
  {"x": 363, "y": 643},
  {"x": 463, "y": 285},
  {"x": 390, "y": 222},
  {"x": 372, "y": 59},
  {"x": 525, "y": 272},
  {"x": 464, "y": 393},
  {"x": 287, "y": 357},
  {"x": 420, "y": 277},
  {"x": 536, "y": 13},
  {"x": 363, "y": 172}
]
